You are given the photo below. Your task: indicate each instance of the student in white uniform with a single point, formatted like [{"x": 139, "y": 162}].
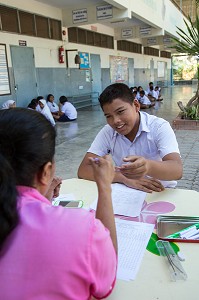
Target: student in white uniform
[
  {"x": 46, "y": 111},
  {"x": 54, "y": 108},
  {"x": 9, "y": 104},
  {"x": 144, "y": 101},
  {"x": 67, "y": 112},
  {"x": 143, "y": 147}
]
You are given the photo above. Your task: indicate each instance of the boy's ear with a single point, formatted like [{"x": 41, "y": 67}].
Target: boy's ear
[{"x": 137, "y": 105}]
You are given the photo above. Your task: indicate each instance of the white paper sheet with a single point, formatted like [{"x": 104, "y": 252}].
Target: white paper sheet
[
  {"x": 126, "y": 201},
  {"x": 132, "y": 238}
]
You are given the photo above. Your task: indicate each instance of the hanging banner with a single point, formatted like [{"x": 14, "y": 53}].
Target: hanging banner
[{"x": 104, "y": 12}]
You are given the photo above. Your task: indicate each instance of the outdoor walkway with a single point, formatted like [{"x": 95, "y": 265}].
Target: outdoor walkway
[{"x": 74, "y": 138}]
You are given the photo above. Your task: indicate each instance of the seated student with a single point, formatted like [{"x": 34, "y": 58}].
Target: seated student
[
  {"x": 67, "y": 112},
  {"x": 152, "y": 95},
  {"x": 144, "y": 101},
  {"x": 44, "y": 110},
  {"x": 49, "y": 252},
  {"x": 33, "y": 104},
  {"x": 157, "y": 90},
  {"x": 143, "y": 147},
  {"x": 54, "y": 108},
  {"x": 9, "y": 104}
]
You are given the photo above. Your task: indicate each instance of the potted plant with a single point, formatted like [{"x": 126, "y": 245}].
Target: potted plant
[{"x": 189, "y": 44}]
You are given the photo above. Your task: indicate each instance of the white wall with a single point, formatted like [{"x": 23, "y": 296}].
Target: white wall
[{"x": 46, "y": 50}]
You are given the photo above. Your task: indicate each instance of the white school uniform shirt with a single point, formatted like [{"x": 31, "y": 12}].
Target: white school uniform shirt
[
  {"x": 46, "y": 112},
  {"x": 145, "y": 100},
  {"x": 69, "y": 110},
  {"x": 155, "y": 139},
  {"x": 53, "y": 107}
]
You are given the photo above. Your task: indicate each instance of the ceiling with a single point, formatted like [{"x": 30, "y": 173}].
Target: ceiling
[{"x": 66, "y": 3}]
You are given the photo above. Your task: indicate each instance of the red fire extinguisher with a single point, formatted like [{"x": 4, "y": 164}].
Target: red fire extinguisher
[{"x": 61, "y": 54}]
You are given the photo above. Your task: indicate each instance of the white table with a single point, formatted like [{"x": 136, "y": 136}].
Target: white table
[{"x": 153, "y": 281}]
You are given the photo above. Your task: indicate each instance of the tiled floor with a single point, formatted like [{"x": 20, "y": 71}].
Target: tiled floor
[{"x": 73, "y": 139}]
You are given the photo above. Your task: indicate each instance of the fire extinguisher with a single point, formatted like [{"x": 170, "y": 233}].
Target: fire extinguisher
[{"x": 61, "y": 54}]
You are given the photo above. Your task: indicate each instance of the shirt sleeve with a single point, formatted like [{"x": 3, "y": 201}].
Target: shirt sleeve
[
  {"x": 103, "y": 261},
  {"x": 102, "y": 142},
  {"x": 165, "y": 139}
]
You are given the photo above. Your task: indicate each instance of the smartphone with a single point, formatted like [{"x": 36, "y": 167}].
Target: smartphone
[{"x": 71, "y": 204}]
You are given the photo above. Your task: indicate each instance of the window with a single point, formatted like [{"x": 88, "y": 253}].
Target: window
[
  {"x": 87, "y": 37},
  {"x": 27, "y": 23},
  {"x": 42, "y": 26},
  {"x": 9, "y": 19},
  {"x": 55, "y": 29}
]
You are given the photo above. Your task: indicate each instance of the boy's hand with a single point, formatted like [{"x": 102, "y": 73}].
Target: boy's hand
[
  {"x": 135, "y": 167},
  {"x": 147, "y": 185}
]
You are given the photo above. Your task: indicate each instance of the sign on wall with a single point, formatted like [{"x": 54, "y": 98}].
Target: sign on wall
[
  {"x": 127, "y": 32},
  {"x": 85, "y": 64},
  {"x": 104, "y": 12},
  {"x": 4, "y": 75},
  {"x": 118, "y": 68},
  {"x": 145, "y": 31},
  {"x": 80, "y": 15}
]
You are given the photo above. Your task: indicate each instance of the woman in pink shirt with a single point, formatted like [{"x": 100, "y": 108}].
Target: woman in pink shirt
[{"x": 49, "y": 252}]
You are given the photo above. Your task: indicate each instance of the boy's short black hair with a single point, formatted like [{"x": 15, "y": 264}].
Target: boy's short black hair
[
  {"x": 115, "y": 91},
  {"x": 142, "y": 92},
  {"x": 63, "y": 99},
  {"x": 151, "y": 83}
]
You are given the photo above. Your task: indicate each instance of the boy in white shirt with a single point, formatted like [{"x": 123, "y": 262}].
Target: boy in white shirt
[
  {"x": 144, "y": 101},
  {"x": 143, "y": 147},
  {"x": 67, "y": 111}
]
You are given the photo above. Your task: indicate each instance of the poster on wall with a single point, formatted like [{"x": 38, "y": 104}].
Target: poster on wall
[
  {"x": 84, "y": 64},
  {"x": 118, "y": 68},
  {"x": 161, "y": 69},
  {"x": 4, "y": 75}
]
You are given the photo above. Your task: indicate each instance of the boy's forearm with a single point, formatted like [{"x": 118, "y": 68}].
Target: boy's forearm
[{"x": 165, "y": 170}]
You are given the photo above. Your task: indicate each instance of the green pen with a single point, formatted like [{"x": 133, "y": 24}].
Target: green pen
[{"x": 185, "y": 230}]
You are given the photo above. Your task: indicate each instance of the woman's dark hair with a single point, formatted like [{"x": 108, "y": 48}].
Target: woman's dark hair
[
  {"x": 115, "y": 91},
  {"x": 63, "y": 99},
  {"x": 27, "y": 143},
  {"x": 48, "y": 97}
]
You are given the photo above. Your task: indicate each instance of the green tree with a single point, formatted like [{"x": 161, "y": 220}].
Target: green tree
[{"x": 189, "y": 44}]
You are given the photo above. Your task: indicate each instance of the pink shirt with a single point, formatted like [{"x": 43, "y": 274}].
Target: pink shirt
[{"x": 55, "y": 253}]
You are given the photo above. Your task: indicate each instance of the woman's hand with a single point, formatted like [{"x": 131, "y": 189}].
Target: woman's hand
[
  {"x": 54, "y": 188},
  {"x": 103, "y": 170}
]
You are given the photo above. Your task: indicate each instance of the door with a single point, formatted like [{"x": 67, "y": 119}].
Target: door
[
  {"x": 24, "y": 74},
  {"x": 96, "y": 75},
  {"x": 131, "y": 71}
]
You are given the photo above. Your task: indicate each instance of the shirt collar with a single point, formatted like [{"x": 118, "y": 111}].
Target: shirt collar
[{"x": 30, "y": 193}]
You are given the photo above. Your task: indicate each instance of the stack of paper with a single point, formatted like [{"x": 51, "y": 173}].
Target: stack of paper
[
  {"x": 132, "y": 239},
  {"x": 126, "y": 201}
]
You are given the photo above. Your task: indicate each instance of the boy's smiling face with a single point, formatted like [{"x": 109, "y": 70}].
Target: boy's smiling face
[{"x": 123, "y": 117}]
